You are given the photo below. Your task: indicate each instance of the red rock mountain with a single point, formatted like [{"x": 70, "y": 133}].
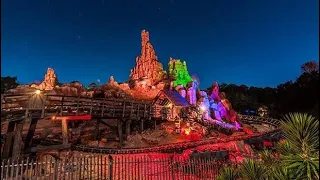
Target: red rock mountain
[{"x": 147, "y": 64}]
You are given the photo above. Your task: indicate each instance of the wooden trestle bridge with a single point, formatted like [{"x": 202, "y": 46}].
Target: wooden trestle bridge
[{"x": 16, "y": 109}]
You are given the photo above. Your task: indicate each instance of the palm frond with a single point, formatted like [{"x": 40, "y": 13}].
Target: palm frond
[
  {"x": 253, "y": 170},
  {"x": 301, "y": 131},
  {"x": 228, "y": 173},
  {"x": 285, "y": 148},
  {"x": 281, "y": 173}
]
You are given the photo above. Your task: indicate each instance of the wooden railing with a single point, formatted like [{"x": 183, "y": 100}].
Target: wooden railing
[
  {"x": 134, "y": 167},
  {"x": 17, "y": 106}
]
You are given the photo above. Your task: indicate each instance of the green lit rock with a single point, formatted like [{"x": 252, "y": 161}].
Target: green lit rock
[{"x": 178, "y": 72}]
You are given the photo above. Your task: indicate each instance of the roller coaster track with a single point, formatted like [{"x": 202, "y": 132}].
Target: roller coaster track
[
  {"x": 175, "y": 146},
  {"x": 16, "y": 107},
  {"x": 272, "y": 135}
]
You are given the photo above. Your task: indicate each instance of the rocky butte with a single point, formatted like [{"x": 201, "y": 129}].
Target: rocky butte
[{"x": 147, "y": 64}]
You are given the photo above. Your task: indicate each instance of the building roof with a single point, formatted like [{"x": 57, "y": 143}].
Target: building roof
[{"x": 175, "y": 98}]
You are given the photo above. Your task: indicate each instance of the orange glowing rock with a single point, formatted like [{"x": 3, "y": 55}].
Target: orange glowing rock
[{"x": 147, "y": 64}]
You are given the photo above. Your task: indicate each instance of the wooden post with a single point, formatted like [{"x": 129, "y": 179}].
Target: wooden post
[
  {"x": 120, "y": 132},
  {"x": 32, "y": 129},
  {"x": 61, "y": 111},
  {"x": 131, "y": 111},
  {"x": 17, "y": 140},
  {"x": 64, "y": 125},
  {"x": 142, "y": 125},
  {"x": 103, "y": 106},
  {"x": 128, "y": 128},
  {"x": 123, "y": 109},
  {"x": 91, "y": 105},
  {"x": 78, "y": 101},
  {"x": 155, "y": 123},
  {"x": 96, "y": 133},
  {"x": 43, "y": 106},
  {"x": 7, "y": 148},
  {"x": 145, "y": 109},
  {"x": 2, "y": 99}
]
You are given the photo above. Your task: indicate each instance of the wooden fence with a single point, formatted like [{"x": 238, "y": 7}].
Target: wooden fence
[{"x": 118, "y": 167}]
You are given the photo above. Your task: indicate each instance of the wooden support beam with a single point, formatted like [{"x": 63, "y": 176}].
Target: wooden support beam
[
  {"x": 7, "y": 148},
  {"x": 97, "y": 132},
  {"x": 64, "y": 125},
  {"x": 155, "y": 123},
  {"x": 128, "y": 128},
  {"x": 142, "y": 125},
  {"x": 16, "y": 150},
  {"x": 104, "y": 123},
  {"x": 120, "y": 131},
  {"x": 72, "y": 118},
  {"x": 32, "y": 129}
]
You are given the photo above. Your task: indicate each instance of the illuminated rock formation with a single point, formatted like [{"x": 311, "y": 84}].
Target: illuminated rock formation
[
  {"x": 178, "y": 72},
  {"x": 74, "y": 88},
  {"x": 192, "y": 93},
  {"x": 147, "y": 64},
  {"x": 215, "y": 92},
  {"x": 49, "y": 81},
  {"x": 112, "y": 82},
  {"x": 181, "y": 90},
  {"x": 203, "y": 101},
  {"x": 204, "y": 104},
  {"x": 221, "y": 107}
]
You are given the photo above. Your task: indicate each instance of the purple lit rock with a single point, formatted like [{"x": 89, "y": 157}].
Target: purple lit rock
[
  {"x": 192, "y": 93},
  {"x": 215, "y": 92},
  {"x": 181, "y": 91}
]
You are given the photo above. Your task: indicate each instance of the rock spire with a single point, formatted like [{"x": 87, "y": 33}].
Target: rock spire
[
  {"x": 49, "y": 81},
  {"x": 147, "y": 64}
]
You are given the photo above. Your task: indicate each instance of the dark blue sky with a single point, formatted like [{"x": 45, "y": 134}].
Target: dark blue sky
[{"x": 252, "y": 42}]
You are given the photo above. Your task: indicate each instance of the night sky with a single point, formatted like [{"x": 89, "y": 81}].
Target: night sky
[{"x": 252, "y": 42}]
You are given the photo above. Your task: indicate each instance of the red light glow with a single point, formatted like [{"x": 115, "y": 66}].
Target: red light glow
[{"x": 72, "y": 118}]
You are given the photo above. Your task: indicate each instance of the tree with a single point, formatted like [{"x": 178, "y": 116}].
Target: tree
[
  {"x": 8, "y": 83},
  {"x": 311, "y": 66}
]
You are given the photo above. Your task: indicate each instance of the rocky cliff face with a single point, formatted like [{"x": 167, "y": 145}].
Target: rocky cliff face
[
  {"x": 147, "y": 64},
  {"x": 71, "y": 89}
]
